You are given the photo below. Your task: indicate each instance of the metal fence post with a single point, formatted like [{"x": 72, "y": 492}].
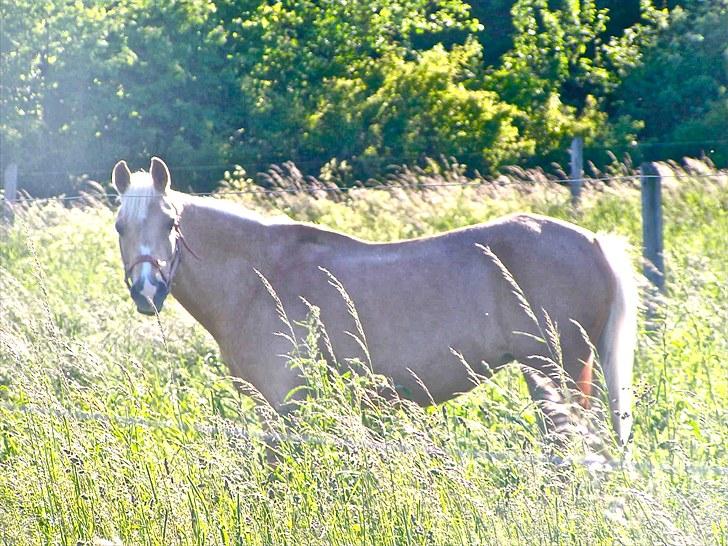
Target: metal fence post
[
  {"x": 10, "y": 193},
  {"x": 651, "y": 184},
  {"x": 576, "y": 153}
]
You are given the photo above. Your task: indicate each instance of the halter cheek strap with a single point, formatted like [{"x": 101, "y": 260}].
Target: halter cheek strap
[{"x": 181, "y": 239}]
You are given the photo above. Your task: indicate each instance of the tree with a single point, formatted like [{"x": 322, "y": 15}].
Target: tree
[
  {"x": 679, "y": 90},
  {"x": 47, "y": 87},
  {"x": 300, "y": 63},
  {"x": 561, "y": 70},
  {"x": 86, "y": 83},
  {"x": 434, "y": 106}
]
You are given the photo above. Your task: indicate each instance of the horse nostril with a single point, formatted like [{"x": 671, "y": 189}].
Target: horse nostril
[
  {"x": 137, "y": 293},
  {"x": 148, "y": 295},
  {"x": 136, "y": 288}
]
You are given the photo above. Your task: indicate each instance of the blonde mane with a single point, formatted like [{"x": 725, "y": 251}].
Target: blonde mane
[{"x": 135, "y": 200}]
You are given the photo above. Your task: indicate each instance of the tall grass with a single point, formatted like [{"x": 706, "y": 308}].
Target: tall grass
[{"x": 116, "y": 431}]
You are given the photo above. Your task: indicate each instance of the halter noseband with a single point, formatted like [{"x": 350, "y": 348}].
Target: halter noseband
[{"x": 158, "y": 264}]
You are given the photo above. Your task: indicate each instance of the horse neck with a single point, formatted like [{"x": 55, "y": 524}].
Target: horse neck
[{"x": 214, "y": 282}]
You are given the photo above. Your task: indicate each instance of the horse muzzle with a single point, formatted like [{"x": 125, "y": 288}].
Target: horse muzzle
[{"x": 149, "y": 295}]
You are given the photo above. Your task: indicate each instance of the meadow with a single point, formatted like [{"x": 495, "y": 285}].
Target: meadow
[{"x": 121, "y": 429}]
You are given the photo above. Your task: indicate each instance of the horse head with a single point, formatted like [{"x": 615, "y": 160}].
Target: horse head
[{"x": 148, "y": 228}]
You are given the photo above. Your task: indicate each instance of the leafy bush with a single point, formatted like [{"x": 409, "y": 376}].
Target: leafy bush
[
  {"x": 209, "y": 84},
  {"x": 679, "y": 89}
]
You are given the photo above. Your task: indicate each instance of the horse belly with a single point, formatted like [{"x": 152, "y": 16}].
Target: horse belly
[{"x": 416, "y": 330}]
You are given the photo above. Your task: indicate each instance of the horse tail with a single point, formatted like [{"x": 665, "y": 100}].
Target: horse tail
[{"x": 618, "y": 341}]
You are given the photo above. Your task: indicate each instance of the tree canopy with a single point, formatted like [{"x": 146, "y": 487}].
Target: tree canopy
[{"x": 358, "y": 85}]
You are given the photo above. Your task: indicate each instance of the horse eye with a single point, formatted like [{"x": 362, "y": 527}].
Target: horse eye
[{"x": 170, "y": 224}]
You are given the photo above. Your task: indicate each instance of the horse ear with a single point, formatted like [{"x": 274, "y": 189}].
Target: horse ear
[
  {"x": 121, "y": 176},
  {"x": 160, "y": 175}
]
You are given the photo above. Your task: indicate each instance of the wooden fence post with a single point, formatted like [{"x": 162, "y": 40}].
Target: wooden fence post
[
  {"x": 651, "y": 183},
  {"x": 576, "y": 152},
  {"x": 10, "y": 194}
]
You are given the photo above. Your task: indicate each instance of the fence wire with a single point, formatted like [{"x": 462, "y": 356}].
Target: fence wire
[{"x": 392, "y": 186}]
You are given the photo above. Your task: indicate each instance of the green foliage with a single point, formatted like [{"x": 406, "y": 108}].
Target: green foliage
[
  {"x": 310, "y": 68},
  {"x": 207, "y": 84},
  {"x": 171, "y": 84},
  {"x": 84, "y": 84},
  {"x": 562, "y": 68},
  {"x": 433, "y": 106},
  {"x": 45, "y": 80},
  {"x": 679, "y": 89}
]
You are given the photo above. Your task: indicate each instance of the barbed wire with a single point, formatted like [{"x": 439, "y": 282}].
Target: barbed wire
[
  {"x": 313, "y": 189},
  {"x": 317, "y": 159}
]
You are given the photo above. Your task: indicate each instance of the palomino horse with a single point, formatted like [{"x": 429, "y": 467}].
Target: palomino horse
[{"x": 424, "y": 305}]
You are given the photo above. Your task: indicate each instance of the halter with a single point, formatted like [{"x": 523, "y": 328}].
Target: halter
[{"x": 158, "y": 264}]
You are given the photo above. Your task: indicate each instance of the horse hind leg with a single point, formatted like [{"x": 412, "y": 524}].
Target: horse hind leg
[
  {"x": 564, "y": 402},
  {"x": 560, "y": 380},
  {"x": 556, "y": 422},
  {"x": 585, "y": 382}
]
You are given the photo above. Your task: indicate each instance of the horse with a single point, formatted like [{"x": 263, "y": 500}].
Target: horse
[{"x": 423, "y": 306}]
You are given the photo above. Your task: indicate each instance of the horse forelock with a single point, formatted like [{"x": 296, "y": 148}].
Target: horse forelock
[{"x": 135, "y": 200}]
